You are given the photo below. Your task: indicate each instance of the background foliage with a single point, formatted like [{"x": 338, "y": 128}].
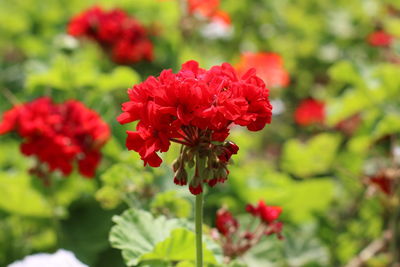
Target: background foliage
[{"x": 317, "y": 173}]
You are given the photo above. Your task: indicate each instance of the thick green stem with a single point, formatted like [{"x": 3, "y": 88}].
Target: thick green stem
[{"x": 199, "y": 229}]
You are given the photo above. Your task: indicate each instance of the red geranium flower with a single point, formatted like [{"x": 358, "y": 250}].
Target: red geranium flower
[
  {"x": 269, "y": 67},
  {"x": 195, "y": 108},
  {"x": 235, "y": 242},
  {"x": 225, "y": 222},
  {"x": 58, "y": 134},
  {"x": 267, "y": 213},
  {"x": 123, "y": 36},
  {"x": 380, "y": 38},
  {"x": 309, "y": 112}
]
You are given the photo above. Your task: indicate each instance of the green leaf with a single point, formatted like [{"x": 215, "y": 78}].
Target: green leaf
[
  {"x": 344, "y": 71},
  {"x": 311, "y": 158},
  {"x": 120, "y": 180},
  {"x": 390, "y": 124},
  {"x": 19, "y": 197},
  {"x": 141, "y": 237},
  {"x": 298, "y": 198},
  {"x": 179, "y": 247},
  {"x": 119, "y": 78},
  {"x": 168, "y": 203}
]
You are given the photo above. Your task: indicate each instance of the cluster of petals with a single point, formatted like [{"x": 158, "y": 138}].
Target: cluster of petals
[
  {"x": 58, "y": 134},
  {"x": 208, "y": 101},
  {"x": 119, "y": 34},
  {"x": 267, "y": 213},
  {"x": 225, "y": 222},
  {"x": 380, "y": 38},
  {"x": 269, "y": 66},
  {"x": 236, "y": 242},
  {"x": 310, "y": 111}
]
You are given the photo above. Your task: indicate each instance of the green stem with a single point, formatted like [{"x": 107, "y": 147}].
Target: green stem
[{"x": 199, "y": 230}]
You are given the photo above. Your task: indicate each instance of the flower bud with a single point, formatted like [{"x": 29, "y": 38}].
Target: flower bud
[{"x": 180, "y": 177}]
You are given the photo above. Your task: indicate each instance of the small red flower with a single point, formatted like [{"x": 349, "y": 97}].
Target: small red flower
[
  {"x": 58, "y": 134},
  {"x": 226, "y": 224},
  {"x": 122, "y": 36},
  {"x": 267, "y": 213},
  {"x": 196, "y": 108},
  {"x": 269, "y": 67},
  {"x": 309, "y": 112},
  {"x": 380, "y": 38}
]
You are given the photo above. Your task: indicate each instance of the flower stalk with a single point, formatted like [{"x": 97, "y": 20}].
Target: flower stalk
[{"x": 199, "y": 229}]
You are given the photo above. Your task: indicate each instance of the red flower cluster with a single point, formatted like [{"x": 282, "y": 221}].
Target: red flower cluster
[
  {"x": 309, "y": 112},
  {"x": 195, "y": 108},
  {"x": 225, "y": 222},
  {"x": 380, "y": 38},
  {"x": 123, "y": 36},
  {"x": 267, "y": 213},
  {"x": 236, "y": 243},
  {"x": 269, "y": 67},
  {"x": 58, "y": 134}
]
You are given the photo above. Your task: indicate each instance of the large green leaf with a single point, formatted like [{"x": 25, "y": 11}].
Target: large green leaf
[
  {"x": 141, "y": 237},
  {"x": 19, "y": 197},
  {"x": 311, "y": 158}
]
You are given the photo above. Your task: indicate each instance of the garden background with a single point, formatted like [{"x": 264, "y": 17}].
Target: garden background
[{"x": 335, "y": 174}]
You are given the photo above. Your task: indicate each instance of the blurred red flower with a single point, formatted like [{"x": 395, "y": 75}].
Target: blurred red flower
[
  {"x": 380, "y": 38},
  {"x": 226, "y": 224},
  {"x": 123, "y": 36},
  {"x": 269, "y": 67},
  {"x": 267, "y": 213},
  {"x": 58, "y": 134},
  {"x": 309, "y": 112},
  {"x": 206, "y": 8},
  {"x": 195, "y": 107}
]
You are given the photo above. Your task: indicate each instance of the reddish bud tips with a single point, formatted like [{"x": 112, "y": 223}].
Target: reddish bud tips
[
  {"x": 195, "y": 190},
  {"x": 181, "y": 177}
]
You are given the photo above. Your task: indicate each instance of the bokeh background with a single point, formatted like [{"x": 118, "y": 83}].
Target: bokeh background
[{"x": 329, "y": 166}]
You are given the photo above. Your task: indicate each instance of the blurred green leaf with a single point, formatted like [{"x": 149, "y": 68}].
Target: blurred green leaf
[
  {"x": 169, "y": 204},
  {"x": 19, "y": 197},
  {"x": 311, "y": 158}
]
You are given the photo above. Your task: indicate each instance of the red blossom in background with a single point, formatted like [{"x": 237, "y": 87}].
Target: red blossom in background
[
  {"x": 225, "y": 222},
  {"x": 235, "y": 242},
  {"x": 380, "y": 38},
  {"x": 267, "y": 213},
  {"x": 58, "y": 135},
  {"x": 196, "y": 108},
  {"x": 209, "y": 9},
  {"x": 309, "y": 112},
  {"x": 122, "y": 36},
  {"x": 269, "y": 67}
]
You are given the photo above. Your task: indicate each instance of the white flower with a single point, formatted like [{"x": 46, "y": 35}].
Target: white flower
[{"x": 62, "y": 258}]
